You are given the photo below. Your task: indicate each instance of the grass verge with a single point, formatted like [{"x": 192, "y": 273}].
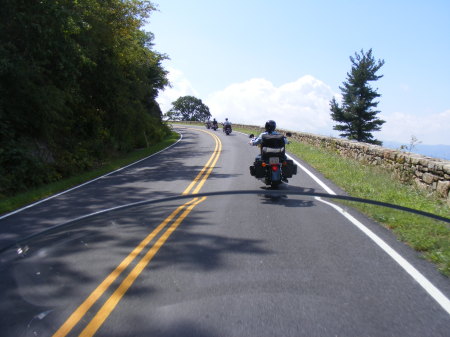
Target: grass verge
[
  {"x": 428, "y": 236},
  {"x": 11, "y": 203}
]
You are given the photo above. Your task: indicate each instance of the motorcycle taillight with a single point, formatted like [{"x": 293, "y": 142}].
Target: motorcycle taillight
[{"x": 274, "y": 168}]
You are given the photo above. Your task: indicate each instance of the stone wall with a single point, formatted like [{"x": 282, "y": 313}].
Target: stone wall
[{"x": 428, "y": 173}]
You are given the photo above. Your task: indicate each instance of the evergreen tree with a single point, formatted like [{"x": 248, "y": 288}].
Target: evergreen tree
[{"x": 356, "y": 116}]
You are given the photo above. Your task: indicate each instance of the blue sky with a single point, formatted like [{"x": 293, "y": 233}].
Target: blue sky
[{"x": 253, "y": 60}]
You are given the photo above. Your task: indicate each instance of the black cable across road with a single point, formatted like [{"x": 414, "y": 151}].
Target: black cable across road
[{"x": 273, "y": 193}]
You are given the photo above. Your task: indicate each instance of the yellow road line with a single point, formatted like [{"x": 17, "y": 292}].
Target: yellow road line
[
  {"x": 216, "y": 153},
  {"x": 114, "y": 299},
  {"x": 201, "y": 183},
  {"x": 78, "y": 314}
]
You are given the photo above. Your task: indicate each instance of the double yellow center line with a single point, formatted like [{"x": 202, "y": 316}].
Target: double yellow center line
[{"x": 109, "y": 305}]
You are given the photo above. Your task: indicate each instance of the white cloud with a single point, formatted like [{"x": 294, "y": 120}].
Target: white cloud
[
  {"x": 429, "y": 129},
  {"x": 302, "y": 105},
  {"x": 180, "y": 86}
]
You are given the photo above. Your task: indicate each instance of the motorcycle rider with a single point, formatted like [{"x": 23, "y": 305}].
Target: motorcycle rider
[
  {"x": 270, "y": 127},
  {"x": 208, "y": 124},
  {"x": 214, "y": 123},
  {"x": 270, "y": 130},
  {"x": 226, "y": 124}
]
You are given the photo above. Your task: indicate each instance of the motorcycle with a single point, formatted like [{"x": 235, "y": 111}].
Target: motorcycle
[
  {"x": 215, "y": 126},
  {"x": 272, "y": 165},
  {"x": 227, "y": 129},
  {"x": 208, "y": 124}
]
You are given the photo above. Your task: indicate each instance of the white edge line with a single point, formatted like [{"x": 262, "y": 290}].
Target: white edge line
[
  {"x": 408, "y": 267},
  {"x": 434, "y": 292},
  {"x": 88, "y": 182},
  {"x": 317, "y": 180}
]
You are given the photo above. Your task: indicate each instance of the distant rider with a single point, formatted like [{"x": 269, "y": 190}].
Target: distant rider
[
  {"x": 214, "y": 122},
  {"x": 226, "y": 124}
]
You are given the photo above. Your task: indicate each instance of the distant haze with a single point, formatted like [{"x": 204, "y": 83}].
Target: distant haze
[{"x": 435, "y": 151}]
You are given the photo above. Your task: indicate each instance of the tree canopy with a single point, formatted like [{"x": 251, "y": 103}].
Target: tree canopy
[
  {"x": 189, "y": 108},
  {"x": 78, "y": 82},
  {"x": 356, "y": 116}
]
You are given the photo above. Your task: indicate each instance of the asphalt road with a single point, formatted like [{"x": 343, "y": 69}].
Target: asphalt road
[{"x": 262, "y": 264}]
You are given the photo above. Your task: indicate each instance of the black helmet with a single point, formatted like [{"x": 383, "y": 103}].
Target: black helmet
[{"x": 270, "y": 126}]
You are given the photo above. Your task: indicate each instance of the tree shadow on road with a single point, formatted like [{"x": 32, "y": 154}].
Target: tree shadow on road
[
  {"x": 50, "y": 276},
  {"x": 136, "y": 183}
]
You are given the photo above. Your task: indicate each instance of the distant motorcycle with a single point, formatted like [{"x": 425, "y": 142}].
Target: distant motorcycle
[
  {"x": 227, "y": 129},
  {"x": 208, "y": 125},
  {"x": 272, "y": 165},
  {"x": 215, "y": 126}
]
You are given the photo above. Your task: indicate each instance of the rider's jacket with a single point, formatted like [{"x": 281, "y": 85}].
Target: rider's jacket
[{"x": 258, "y": 140}]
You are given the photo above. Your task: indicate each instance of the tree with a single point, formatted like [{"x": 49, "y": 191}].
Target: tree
[
  {"x": 189, "y": 108},
  {"x": 414, "y": 141},
  {"x": 356, "y": 116},
  {"x": 78, "y": 83}
]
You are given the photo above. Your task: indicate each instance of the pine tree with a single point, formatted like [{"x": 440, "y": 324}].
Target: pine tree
[{"x": 356, "y": 116}]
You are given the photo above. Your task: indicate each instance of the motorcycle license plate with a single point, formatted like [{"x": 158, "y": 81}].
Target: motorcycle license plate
[{"x": 274, "y": 160}]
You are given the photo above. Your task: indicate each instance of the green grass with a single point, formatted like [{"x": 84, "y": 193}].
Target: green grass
[
  {"x": 11, "y": 203},
  {"x": 431, "y": 237}
]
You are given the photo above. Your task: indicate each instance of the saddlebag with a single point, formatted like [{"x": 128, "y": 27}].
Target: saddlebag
[
  {"x": 289, "y": 169},
  {"x": 257, "y": 170}
]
